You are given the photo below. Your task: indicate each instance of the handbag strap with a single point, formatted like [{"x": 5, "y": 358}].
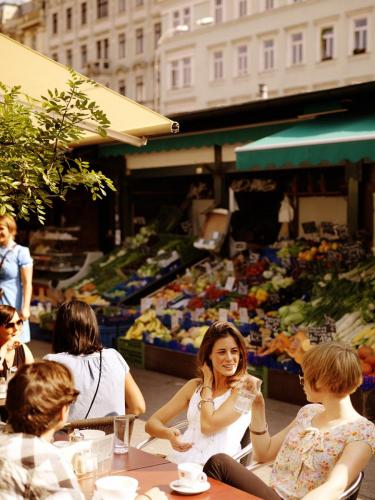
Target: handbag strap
[
  {"x": 6, "y": 253},
  {"x": 97, "y": 387}
]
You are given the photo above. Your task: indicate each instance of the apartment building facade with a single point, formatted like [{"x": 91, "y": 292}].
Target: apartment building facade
[
  {"x": 241, "y": 50},
  {"x": 183, "y": 55}
]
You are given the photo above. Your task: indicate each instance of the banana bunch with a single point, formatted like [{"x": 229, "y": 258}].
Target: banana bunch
[
  {"x": 148, "y": 322},
  {"x": 365, "y": 336}
]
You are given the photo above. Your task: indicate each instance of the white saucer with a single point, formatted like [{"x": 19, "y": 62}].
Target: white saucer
[{"x": 189, "y": 490}]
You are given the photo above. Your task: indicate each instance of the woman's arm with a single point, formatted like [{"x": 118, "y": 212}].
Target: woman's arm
[
  {"x": 29, "y": 358},
  {"x": 27, "y": 288},
  {"x": 265, "y": 447},
  {"x": 134, "y": 400},
  {"x": 353, "y": 460},
  {"x": 156, "y": 425}
]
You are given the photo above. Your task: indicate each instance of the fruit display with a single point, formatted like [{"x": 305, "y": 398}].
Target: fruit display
[{"x": 149, "y": 323}]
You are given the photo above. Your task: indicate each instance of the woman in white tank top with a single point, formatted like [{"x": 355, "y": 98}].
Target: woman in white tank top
[{"x": 214, "y": 425}]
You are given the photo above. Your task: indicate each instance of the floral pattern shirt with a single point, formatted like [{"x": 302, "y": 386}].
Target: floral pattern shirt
[{"x": 308, "y": 455}]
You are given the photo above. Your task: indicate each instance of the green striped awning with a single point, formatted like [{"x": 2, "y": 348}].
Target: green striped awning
[{"x": 321, "y": 141}]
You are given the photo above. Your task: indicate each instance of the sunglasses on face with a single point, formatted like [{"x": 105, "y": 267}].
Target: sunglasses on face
[{"x": 14, "y": 324}]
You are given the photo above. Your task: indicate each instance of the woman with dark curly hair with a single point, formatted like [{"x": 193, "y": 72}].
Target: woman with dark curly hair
[{"x": 214, "y": 425}]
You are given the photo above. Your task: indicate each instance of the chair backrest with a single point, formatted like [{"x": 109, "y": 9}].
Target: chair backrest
[
  {"x": 104, "y": 424},
  {"x": 246, "y": 439},
  {"x": 351, "y": 493}
]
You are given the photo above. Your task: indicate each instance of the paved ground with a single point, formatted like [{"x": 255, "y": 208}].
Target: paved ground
[{"x": 157, "y": 388}]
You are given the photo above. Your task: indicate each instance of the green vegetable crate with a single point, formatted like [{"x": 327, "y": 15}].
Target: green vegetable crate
[
  {"x": 262, "y": 373},
  {"x": 133, "y": 351}
]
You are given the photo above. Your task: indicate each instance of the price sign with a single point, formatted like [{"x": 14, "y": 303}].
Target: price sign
[
  {"x": 255, "y": 338},
  {"x": 243, "y": 287},
  {"x": 223, "y": 314},
  {"x": 320, "y": 334},
  {"x": 230, "y": 266},
  {"x": 233, "y": 306},
  {"x": 244, "y": 315},
  {"x": 274, "y": 298},
  {"x": 230, "y": 283},
  {"x": 175, "y": 323},
  {"x": 199, "y": 312},
  {"x": 309, "y": 227},
  {"x": 253, "y": 257},
  {"x": 146, "y": 303},
  {"x": 327, "y": 228},
  {"x": 160, "y": 306},
  {"x": 272, "y": 324}
]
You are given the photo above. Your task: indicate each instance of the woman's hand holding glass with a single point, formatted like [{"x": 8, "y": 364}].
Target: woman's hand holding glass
[{"x": 176, "y": 442}]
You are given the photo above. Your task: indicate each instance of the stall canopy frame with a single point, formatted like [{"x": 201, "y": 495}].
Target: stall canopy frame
[
  {"x": 130, "y": 122},
  {"x": 321, "y": 141}
]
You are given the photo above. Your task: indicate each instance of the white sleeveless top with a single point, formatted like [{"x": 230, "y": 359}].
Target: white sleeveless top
[{"x": 227, "y": 440}]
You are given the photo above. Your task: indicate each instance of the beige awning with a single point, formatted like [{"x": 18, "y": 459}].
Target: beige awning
[{"x": 36, "y": 73}]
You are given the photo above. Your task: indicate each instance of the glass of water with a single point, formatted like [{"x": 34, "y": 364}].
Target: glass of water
[
  {"x": 122, "y": 435},
  {"x": 246, "y": 394}
]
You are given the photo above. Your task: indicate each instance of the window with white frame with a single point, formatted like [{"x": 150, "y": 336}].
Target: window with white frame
[
  {"x": 102, "y": 49},
  {"x": 269, "y": 4},
  {"x": 268, "y": 54},
  {"x": 186, "y": 16},
  {"x": 176, "y": 18},
  {"x": 157, "y": 34},
  {"x": 296, "y": 48},
  {"x": 121, "y": 7},
  {"x": 69, "y": 14},
  {"x": 327, "y": 41},
  {"x": 83, "y": 13},
  {"x": 121, "y": 45},
  {"x": 69, "y": 57},
  {"x": 55, "y": 23},
  {"x": 174, "y": 74},
  {"x": 139, "y": 41},
  {"x": 186, "y": 72},
  {"x": 242, "y": 8},
  {"x": 218, "y": 11},
  {"x": 360, "y": 35},
  {"x": 242, "y": 60},
  {"x": 139, "y": 89},
  {"x": 218, "y": 65},
  {"x": 122, "y": 87},
  {"x": 101, "y": 8},
  {"x": 139, "y": 3},
  {"x": 83, "y": 56}
]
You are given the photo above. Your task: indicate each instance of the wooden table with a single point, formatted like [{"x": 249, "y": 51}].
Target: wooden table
[{"x": 149, "y": 474}]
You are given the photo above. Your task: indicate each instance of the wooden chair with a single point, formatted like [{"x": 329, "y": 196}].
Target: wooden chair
[
  {"x": 243, "y": 455},
  {"x": 104, "y": 424}
]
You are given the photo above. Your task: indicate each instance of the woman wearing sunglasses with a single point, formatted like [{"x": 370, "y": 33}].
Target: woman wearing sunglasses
[{"x": 13, "y": 353}]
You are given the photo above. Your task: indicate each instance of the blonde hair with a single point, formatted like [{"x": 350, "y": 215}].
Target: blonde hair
[
  {"x": 333, "y": 366},
  {"x": 9, "y": 221}
]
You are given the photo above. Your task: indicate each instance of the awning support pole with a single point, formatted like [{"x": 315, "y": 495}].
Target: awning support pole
[
  {"x": 218, "y": 176},
  {"x": 353, "y": 177}
]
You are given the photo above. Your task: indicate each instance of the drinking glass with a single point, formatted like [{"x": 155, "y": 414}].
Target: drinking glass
[
  {"x": 246, "y": 395},
  {"x": 122, "y": 438}
]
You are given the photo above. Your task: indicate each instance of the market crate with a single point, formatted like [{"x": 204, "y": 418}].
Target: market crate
[
  {"x": 285, "y": 386},
  {"x": 133, "y": 351},
  {"x": 38, "y": 333},
  {"x": 170, "y": 362},
  {"x": 262, "y": 373},
  {"x": 108, "y": 335}
]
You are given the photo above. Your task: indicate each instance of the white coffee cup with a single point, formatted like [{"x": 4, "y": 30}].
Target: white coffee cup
[
  {"x": 116, "y": 487},
  {"x": 190, "y": 474},
  {"x": 92, "y": 433}
]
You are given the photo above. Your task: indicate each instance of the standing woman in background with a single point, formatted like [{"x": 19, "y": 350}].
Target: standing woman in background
[{"x": 16, "y": 272}]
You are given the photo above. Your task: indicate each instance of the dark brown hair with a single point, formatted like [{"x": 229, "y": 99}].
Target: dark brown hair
[
  {"x": 36, "y": 395},
  {"x": 76, "y": 329},
  {"x": 219, "y": 330},
  {"x": 333, "y": 366},
  {"x": 6, "y": 314}
]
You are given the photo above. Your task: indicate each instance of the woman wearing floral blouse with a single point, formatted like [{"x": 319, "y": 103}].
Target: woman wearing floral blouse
[{"x": 320, "y": 453}]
